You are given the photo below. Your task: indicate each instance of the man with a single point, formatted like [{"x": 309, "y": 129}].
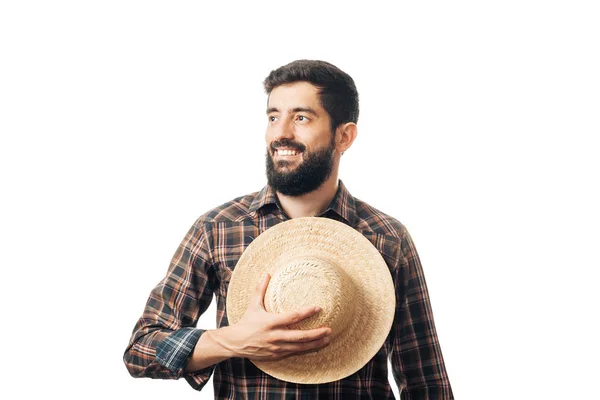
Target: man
[{"x": 312, "y": 113}]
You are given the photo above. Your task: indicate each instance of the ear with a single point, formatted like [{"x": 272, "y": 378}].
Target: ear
[{"x": 344, "y": 136}]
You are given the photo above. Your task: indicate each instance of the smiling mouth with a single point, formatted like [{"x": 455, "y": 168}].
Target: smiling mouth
[{"x": 286, "y": 152}]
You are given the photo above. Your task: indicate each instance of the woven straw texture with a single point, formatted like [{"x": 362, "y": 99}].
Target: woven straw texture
[{"x": 319, "y": 262}]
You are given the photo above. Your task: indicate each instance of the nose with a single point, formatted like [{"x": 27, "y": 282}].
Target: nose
[{"x": 284, "y": 130}]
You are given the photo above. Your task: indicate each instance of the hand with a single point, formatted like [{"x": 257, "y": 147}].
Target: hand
[{"x": 260, "y": 335}]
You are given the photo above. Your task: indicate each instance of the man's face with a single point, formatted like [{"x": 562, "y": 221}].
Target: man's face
[{"x": 300, "y": 144}]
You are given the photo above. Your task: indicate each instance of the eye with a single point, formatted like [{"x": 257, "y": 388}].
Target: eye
[
  {"x": 302, "y": 118},
  {"x": 272, "y": 118}
]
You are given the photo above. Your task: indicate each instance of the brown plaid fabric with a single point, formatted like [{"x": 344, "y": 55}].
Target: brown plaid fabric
[{"x": 165, "y": 335}]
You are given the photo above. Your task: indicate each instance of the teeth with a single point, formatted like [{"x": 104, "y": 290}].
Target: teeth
[{"x": 286, "y": 152}]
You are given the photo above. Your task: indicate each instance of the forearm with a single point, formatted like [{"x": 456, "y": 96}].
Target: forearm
[
  {"x": 208, "y": 351},
  {"x": 258, "y": 335}
]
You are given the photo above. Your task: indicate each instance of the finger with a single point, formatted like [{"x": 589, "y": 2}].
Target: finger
[
  {"x": 271, "y": 357},
  {"x": 303, "y": 346},
  {"x": 261, "y": 289},
  {"x": 300, "y": 336},
  {"x": 293, "y": 317}
]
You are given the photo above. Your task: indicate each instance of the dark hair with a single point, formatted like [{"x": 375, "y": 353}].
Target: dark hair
[{"x": 337, "y": 91}]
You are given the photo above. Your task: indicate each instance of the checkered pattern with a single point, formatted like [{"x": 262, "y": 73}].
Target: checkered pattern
[
  {"x": 165, "y": 335},
  {"x": 173, "y": 352}
]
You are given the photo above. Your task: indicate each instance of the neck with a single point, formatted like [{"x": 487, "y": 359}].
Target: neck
[{"x": 313, "y": 203}]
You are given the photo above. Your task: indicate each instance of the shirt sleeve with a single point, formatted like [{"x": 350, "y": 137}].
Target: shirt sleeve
[
  {"x": 174, "y": 351},
  {"x": 416, "y": 357},
  {"x": 165, "y": 336}
]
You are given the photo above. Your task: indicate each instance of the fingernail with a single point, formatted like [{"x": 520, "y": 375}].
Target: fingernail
[
  {"x": 326, "y": 340},
  {"x": 317, "y": 309}
]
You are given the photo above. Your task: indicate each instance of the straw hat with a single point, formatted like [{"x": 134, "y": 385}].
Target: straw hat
[{"x": 319, "y": 262}]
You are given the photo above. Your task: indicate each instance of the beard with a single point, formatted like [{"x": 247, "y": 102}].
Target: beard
[{"x": 309, "y": 175}]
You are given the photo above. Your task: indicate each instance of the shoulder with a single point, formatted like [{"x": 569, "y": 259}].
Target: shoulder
[
  {"x": 371, "y": 219},
  {"x": 235, "y": 210}
]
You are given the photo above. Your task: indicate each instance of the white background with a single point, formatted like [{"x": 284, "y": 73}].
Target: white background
[{"x": 122, "y": 121}]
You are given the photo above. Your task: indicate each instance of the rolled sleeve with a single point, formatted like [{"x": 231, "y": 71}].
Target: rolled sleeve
[
  {"x": 174, "y": 351},
  {"x": 166, "y": 334}
]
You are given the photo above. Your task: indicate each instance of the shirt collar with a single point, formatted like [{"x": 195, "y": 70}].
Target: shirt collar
[
  {"x": 265, "y": 197},
  {"x": 342, "y": 203}
]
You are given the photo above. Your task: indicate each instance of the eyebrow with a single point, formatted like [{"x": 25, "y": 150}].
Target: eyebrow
[{"x": 293, "y": 110}]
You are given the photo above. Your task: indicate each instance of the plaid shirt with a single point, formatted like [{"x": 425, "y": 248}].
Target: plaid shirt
[{"x": 165, "y": 335}]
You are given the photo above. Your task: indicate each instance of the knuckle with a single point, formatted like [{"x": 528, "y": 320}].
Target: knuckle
[
  {"x": 270, "y": 324},
  {"x": 271, "y": 338},
  {"x": 275, "y": 348},
  {"x": 295, "y": 317}
]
